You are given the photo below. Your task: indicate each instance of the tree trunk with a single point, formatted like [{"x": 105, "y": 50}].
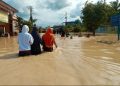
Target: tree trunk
[{"x": 94, "y": 33}]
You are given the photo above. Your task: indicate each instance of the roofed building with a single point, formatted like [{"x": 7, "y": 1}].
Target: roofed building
[{"x": 8, "y": 19}]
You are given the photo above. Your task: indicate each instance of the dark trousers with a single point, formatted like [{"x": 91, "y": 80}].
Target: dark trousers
[
  {"x": 48, "y": 49},
  {"x": 24, "y": 53},
  {"x": 35, "y": 49}
]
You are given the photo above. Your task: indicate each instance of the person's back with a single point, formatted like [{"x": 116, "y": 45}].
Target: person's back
[
  {"x": 25, "y": 40},
  {"x": 48, "y": 40},
  {"x": 35, "y": 47}
]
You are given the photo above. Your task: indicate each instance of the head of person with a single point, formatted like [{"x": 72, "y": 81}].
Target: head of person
[
  {"x": 34, "y": 25},
  {"x": 34, "y": 28},
  {"x": 49, "y": 30},
  {"x": 25, "y": 29}
]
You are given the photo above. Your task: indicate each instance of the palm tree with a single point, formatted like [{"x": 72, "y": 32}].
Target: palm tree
[
  {"x": 115, "y": 5},
  {"x": 21, "y": 22}
]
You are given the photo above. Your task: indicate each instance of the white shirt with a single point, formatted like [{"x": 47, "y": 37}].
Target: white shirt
[{"x": 25, "y": 39}]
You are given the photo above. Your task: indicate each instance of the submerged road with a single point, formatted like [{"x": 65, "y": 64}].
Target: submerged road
[{"x": 77, "y": 61}]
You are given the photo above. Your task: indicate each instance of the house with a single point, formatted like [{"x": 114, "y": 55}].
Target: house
[{"x": 8, "y": 19}]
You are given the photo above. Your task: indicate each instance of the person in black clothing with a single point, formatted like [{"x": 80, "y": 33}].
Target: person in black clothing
[
  {"x": 35, "y": 47},
  {"x": 62, "y": 33}
]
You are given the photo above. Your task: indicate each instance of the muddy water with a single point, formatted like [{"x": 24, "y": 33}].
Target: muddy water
[
  {"x": 77, "y": 61},
  {"x": 8, "y": 45}
]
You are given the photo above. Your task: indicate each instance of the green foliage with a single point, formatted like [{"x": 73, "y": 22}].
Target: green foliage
[
  {"x": 73, "y": 27},
  {"x": 77, "y": 28},
  {"x": 78, "y": 22},
  {"x": 115, "y": 6},
  {"x": 22, "y": 22},
  {"x": 83, "y": 29},
  {"x": 98, "y": 14},
  {"x": 68, "y": 28}
]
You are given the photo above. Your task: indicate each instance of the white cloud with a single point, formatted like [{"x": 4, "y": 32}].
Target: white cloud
[{"x": 49, "y": 12}]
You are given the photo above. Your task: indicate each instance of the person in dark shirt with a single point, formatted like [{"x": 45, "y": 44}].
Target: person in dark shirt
[{"x": 35, "y": 47}]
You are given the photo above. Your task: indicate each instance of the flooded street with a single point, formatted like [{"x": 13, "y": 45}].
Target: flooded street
[{"x": 77, "y": 61}]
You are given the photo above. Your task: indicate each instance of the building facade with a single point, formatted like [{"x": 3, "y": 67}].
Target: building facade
[{"x": 8, "y": 19}]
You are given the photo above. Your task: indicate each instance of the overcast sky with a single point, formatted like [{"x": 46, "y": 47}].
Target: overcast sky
[{"x": 49, "y": 12}]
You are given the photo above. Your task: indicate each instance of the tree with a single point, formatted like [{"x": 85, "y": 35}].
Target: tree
[
  {"x": 94, "y": 15},
  {"x": 77, "y": 28},
  {"x": 22, "y": 22},
  {"x": 30, "y": 23},
  {"x": 68, "y": 28},
  {"x": 115, "y": 6},
  {"x": 78, "y": 22}
]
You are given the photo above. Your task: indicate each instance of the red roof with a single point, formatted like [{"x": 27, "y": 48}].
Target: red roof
[{"x": 6, "y": 7}]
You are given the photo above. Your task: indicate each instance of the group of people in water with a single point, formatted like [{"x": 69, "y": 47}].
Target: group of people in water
[{"x": 30, "y": 43}]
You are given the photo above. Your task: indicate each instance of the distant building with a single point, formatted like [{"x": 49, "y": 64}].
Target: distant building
[
  {"x": 101, "y": 30},
  {"x": 70, "y": 23},
  {"x": 8, "y": 19},
  {"x": 58, "y": 28},
  {"x": 106, "y": 29}
]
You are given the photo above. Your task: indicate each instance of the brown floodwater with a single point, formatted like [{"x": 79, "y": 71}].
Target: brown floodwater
[{"x": 77, "y": 61}]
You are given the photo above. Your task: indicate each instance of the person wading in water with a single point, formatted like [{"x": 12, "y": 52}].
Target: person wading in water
[
  {"x": 25, "y": 41},
  {"x": 48, "y": 40},
  {"x": 35, "y": 47}
]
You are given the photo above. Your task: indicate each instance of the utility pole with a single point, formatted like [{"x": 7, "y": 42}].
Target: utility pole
[
  {"x": 66, "y": 18},
  {"x": 104, "y": 1},
  {"x": 31, "y": 18},
  {"x": 31, "y": 9},
  {"x": 119, "y": 23}
]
